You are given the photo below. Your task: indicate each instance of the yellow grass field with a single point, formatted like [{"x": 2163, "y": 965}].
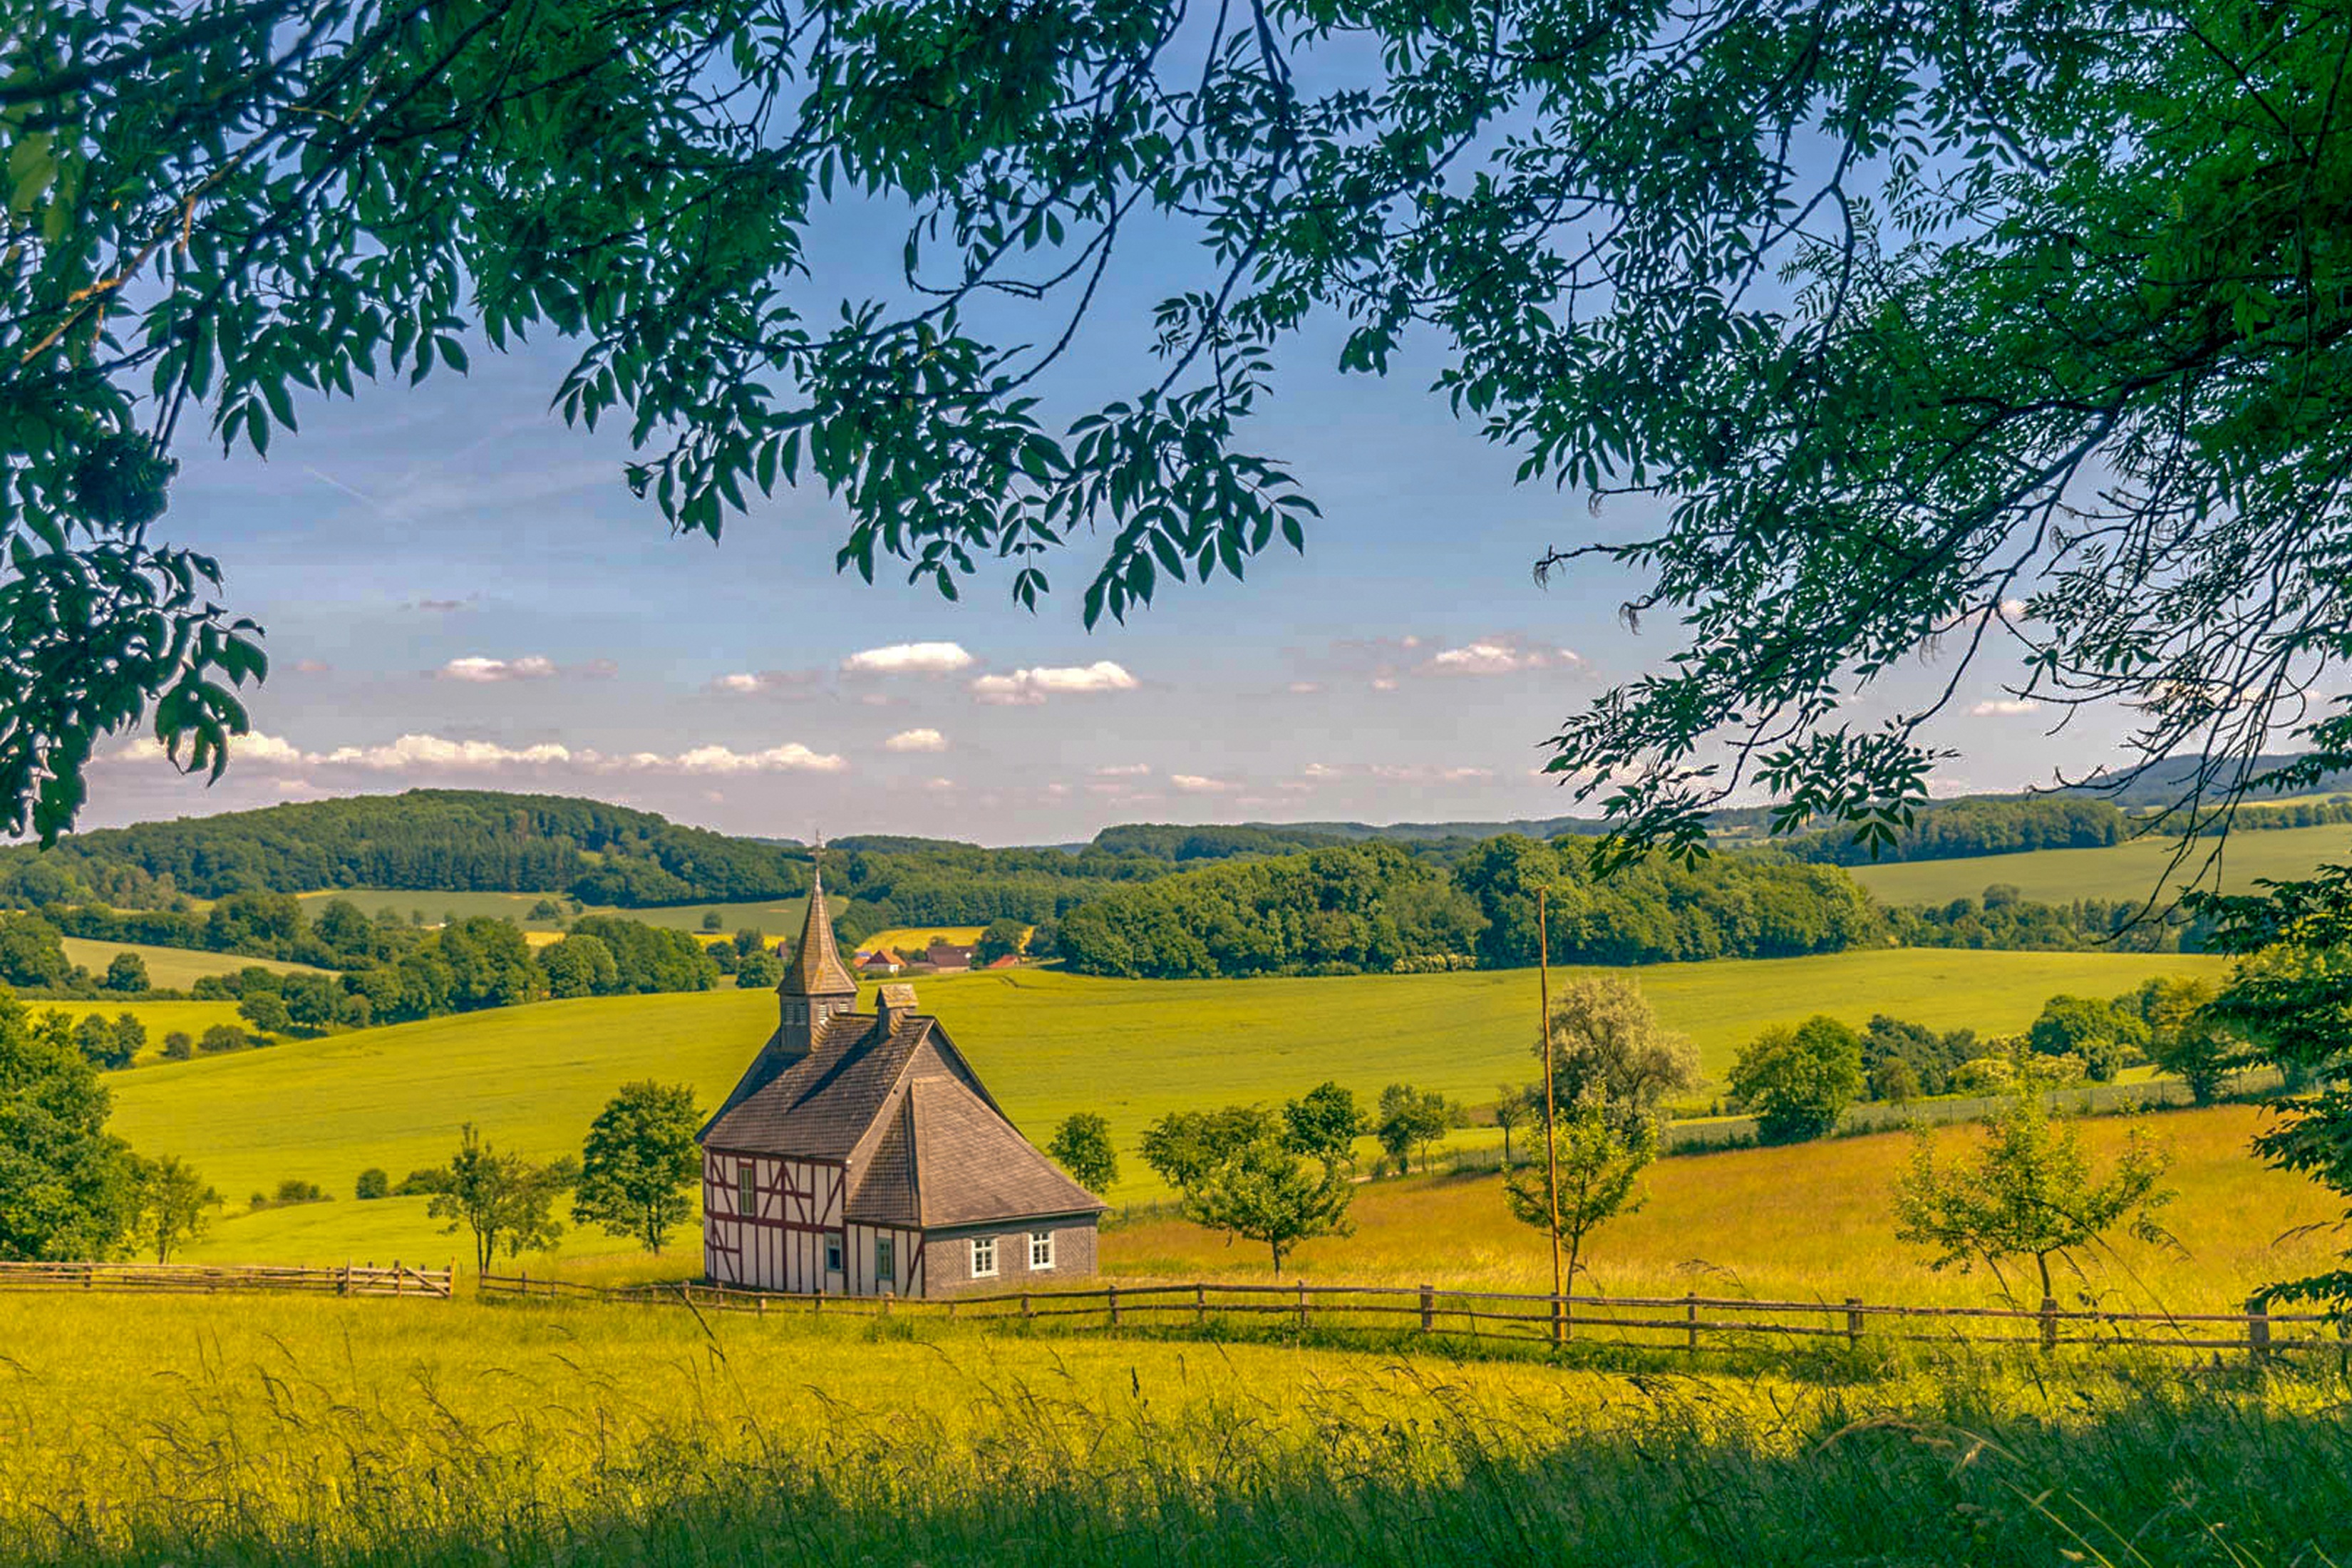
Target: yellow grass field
[
  {"x": 910, "y": 940},
  {"x": 1048, "y": 1044},
  {"x": 142, "y": 1431},
  {"x": 1803, "y": 1222},
  {"x": 174, "y": 968}
]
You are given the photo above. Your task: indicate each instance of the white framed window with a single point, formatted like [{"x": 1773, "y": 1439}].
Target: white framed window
[
  {"x": 983, "y": 1258},
  {"x": 886, "y": 1261},
  {"x": 746, "y": 1188},
  {"x": 1041, "y": 1249},
  {"x": 833, "y": 1255}
]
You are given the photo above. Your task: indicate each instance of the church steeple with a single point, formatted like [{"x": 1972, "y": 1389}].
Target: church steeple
[{"x": 816, "y": 983}]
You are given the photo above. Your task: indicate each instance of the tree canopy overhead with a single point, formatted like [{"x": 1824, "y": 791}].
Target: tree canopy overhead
[{"x": 1957, "y": 324}]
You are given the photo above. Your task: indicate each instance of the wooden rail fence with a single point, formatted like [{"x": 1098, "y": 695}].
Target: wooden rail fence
[
  {"x": 1687, "y": 1323},
  {"x": 164, "y": 1278}
]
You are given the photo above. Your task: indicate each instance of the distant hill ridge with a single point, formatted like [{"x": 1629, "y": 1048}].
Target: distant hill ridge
[{"x": 442, "y": 840}]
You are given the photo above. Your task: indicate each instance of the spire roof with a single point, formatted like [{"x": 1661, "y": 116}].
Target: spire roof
[{"x": 817, "y": 970}]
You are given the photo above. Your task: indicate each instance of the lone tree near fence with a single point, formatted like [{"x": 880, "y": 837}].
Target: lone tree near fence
[
  {"x": 640, "y": 1164},
  {"x": 1268, "y": 1192},
  {"x": 176, "y": 1205},
  {"x": 2030, "y": 1193},
  {"x": 1082, "y": 1143},
  {"x": 505, "y": 1200},
  {"x": 1601, "y": 1158}
]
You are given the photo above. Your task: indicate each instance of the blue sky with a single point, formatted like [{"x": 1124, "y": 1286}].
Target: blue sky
[{"x": 460, "y": 590}]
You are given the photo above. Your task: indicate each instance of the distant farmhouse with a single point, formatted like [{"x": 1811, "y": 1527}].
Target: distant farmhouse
[{"x": 861, "y": 1154}]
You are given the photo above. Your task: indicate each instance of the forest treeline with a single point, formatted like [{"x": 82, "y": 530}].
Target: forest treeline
[
  {"x": 1142, "y": 899},
  {"x": 1991, "y": 824},
  {"x": 1373, "y": 907}
]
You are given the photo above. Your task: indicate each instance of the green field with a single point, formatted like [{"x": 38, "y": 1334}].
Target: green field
[
  {"x": 236, "y": 1433},
  {"x": 1046, "y": 1043},
  {"x": 2127, "y": 870},
  {"x": 777, "y": 916},
  {"x": 173, "y": 968},
  {"x": 161, "y": 1018}
]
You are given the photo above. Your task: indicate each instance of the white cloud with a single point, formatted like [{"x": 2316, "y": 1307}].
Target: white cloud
[
  {"x": 740, "y": 682},
  {"x": 1123, "y": 771},
  {"x": 1193, "y": 784},
  {"x": 909, "y": 659},
  {"x": 939, "y": 783},
  {"x": 1384, "y": 683},
  {"x": 428, "y": 754},
  {"x": 917, "y": 740},
  {"x": 477, "y": 669},
  {"x": 1305, "y": 688},
  {"x": 1323, "y": 770},
  {"x": 1025, "y": 688},
  {"x": 433, "y": 752},
  {"x": 2005, "y": 706},
  {"x": 752, "y": 682},
  {"x": 790, "y": 757},
  {"x": 1497, "y": 656}
]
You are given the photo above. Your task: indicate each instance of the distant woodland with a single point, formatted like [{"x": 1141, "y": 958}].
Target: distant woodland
[{"x": 1140, "y": 900}]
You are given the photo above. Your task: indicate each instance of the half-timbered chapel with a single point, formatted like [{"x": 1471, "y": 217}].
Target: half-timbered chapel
[{"x": 861, "y": 1155}]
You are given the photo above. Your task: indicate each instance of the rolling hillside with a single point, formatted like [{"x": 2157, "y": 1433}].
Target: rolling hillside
[
  {"x": 173, "y": 968},
  {"x": 2133, "y": 869},
  {"x": 1048, "y": 1043}
]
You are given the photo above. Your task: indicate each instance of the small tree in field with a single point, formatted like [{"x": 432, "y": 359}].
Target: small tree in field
[
  {"x": 2030, "y": 1193},
  {"x": 638, "y": 1167},
  {"x": 1513, "y": 1107},
  {"x": 1609, "y": 1049},
  {"x": 1409, "y": 1118},
  {"x": 1324, "y": 1125},
  {"x": 1265, "y": 1192},
  {"x": 128, "y": 972},
  {"x": 1799, "y": 1082},
  {"x": 1601, "y": 1158},
  {"x": 1082, "y": 1143},
  {"x": 504, "y": 1199},
  {"x": 176, "y": 1205}
]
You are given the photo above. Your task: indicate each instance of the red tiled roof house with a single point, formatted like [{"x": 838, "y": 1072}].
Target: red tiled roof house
[{"x": 860, "y": 1155}]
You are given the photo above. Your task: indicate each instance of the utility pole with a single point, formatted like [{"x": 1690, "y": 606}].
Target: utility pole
[{"x": 1551, "y": 1142}]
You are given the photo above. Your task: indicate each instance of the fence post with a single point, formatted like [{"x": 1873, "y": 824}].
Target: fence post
[
  {"x": 1302, "y": 1306},
  {"x": 346, "y": 1279},
  {"x": 1428, "y": 1313},
  {"x": 1201, "y": 1306},
  {"x": 2048, "y": 1323},
  {"x": 1854, "y": 1320},
  {"x": 1690, "y": 1321},
  {"x": 1114, "y": 1306},
  {"x": 1025, "y": 1314},
  {"x": 2258, "y": 1330}
]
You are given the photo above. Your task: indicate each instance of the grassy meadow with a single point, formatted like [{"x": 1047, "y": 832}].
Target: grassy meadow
[
  {"x": 1803, "y": 1222},
  {"x": 174, "y": 968},
  {"x": 2132, "y": 869},
  {"x": 777, "y": 916},
  {"x": 1046, "y": 1043},
  {"x": 138, "y": 1432}
]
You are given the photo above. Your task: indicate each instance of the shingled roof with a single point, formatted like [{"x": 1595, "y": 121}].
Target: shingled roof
[
  {"x": 817, "y": 970},
  {"x": 924, "y": 1143}
]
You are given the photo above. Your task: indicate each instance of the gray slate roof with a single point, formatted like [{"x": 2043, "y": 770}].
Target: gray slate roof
[{"x": 924, "y": 1143}]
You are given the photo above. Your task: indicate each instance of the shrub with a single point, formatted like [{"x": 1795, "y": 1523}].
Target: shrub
[
  {"x": 223, "y": 1037},
  {"x": 178, "y": 1046},
  {"x": 372, "y": 1184}
]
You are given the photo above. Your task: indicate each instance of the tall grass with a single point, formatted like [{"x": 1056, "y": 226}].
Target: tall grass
[{"x": 375, "y": 1433}]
